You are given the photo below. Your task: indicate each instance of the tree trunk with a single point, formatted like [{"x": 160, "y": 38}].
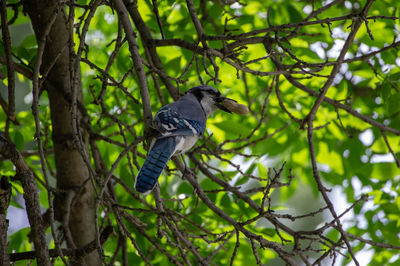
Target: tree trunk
[
  {"x": 72, "y": 172},
  {"x": 5, "y": 194}
]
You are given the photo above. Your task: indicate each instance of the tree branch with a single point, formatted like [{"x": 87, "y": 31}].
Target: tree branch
[
  {"x": 137, "y": 60},
  {"x": 25, "y": 175},
  {"x": 73, "y": 253}
]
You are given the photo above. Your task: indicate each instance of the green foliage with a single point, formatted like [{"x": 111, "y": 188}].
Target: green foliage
[{"x": 365, "y": 89}]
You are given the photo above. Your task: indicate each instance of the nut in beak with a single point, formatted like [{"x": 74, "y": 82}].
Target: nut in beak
[{"x": 235, "y": 107}]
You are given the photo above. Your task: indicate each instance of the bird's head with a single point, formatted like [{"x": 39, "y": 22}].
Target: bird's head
[{"x": 211, "y": 100}]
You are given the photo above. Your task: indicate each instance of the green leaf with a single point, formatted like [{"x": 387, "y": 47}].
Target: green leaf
[
  {"x": 294, "y": 15},
  {"x": 18, "y": 241},
  {"x": 386, "y": 89},
  {"x": 185, "y": 188},
  {"x": 29, "y": 42},
  {"x": 394, "y": 104},
  {"x": 19, "y": 140},
  {"x": 225, "y": 201},
  {"x": 174, "y": 66},
  {"x": 232, "y": 128}
]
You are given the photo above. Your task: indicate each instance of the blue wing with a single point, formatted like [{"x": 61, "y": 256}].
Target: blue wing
[
  {"x": 171, "y": 123},
  {"x": 171, "y": 127}
]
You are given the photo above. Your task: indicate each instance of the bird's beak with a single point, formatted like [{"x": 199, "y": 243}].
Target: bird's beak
[{"x": 220, "y": 105}]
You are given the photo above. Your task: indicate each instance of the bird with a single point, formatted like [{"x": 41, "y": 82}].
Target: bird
[{"x": 178, "y": 126}]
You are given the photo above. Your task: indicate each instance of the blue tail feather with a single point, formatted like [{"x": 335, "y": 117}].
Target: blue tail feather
[{"x": 155, "y": 162}]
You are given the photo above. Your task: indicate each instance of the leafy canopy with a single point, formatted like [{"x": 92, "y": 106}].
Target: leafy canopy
[{"x": 262, "y": 179}]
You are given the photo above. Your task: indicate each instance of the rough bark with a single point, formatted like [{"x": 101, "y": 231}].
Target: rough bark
[
  {"x": 25, "y": 175},
  {"x": 5, "y": 194},
  {"x": 72, "y": 172}
]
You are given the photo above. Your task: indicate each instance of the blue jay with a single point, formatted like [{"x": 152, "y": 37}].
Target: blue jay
[{"x": 179, "y": 125}]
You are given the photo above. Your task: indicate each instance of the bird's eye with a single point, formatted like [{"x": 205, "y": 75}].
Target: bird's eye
[
  {"x": 213, "y": 92},
  {"x": 216, "y": 93}
]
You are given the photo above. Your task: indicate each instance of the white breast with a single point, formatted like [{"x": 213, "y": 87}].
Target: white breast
[{"x": 183, "y": 144}]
